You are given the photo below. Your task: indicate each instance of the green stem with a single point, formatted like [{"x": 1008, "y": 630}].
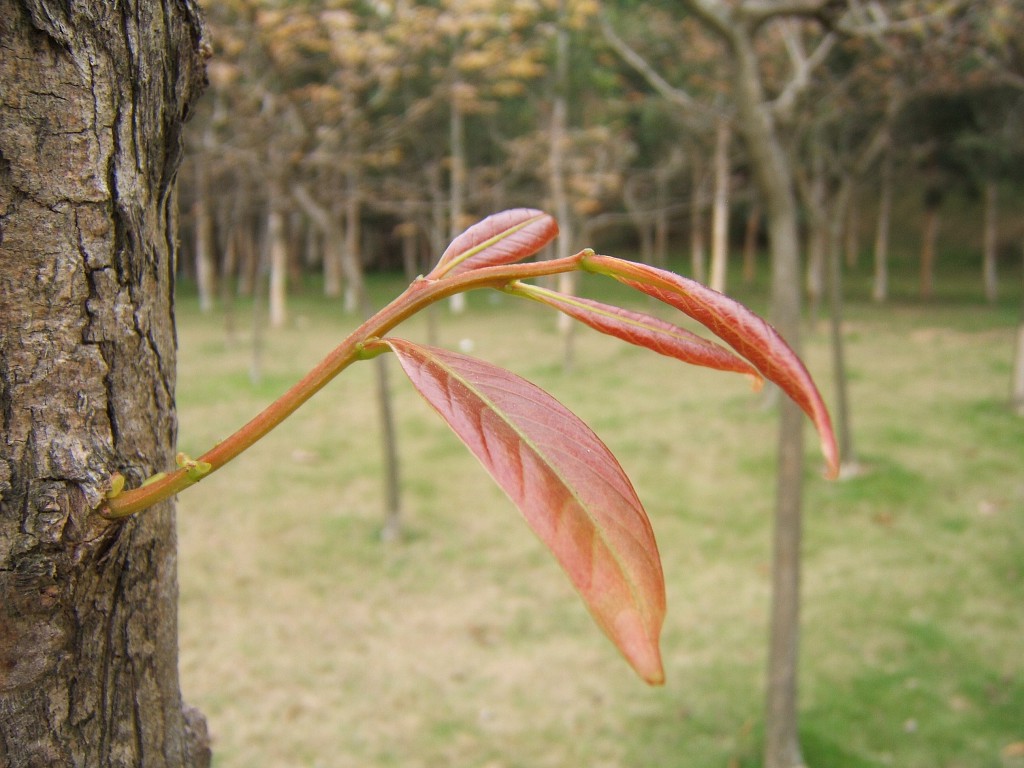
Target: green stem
[{"x": 416, "y": 297}]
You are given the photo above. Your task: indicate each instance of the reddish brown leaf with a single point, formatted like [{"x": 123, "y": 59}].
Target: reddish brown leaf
[
  {"x": 502, "y": 238},
  {"x": 643, "y": 330},
  {"x": 745, "y": 331},
  {"x": 566, "y": 483}
]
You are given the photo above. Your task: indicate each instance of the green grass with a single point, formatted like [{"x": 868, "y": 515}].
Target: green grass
[{"x": 309, "y": 642}]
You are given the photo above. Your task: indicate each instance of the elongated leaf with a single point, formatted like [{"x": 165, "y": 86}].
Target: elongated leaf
[
  {"x": 643, "y": 330},
  {"x": 502, "y": 238},
  {"x": 566, "y": 483},
  {"x": 747, "y": 333}
]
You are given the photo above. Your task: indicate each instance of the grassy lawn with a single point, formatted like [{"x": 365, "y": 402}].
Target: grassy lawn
[{"x": 309, "y": 642}]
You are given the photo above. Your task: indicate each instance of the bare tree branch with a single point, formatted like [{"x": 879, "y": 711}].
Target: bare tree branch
[
  {"x": 670, "y": 93},
  {"x": 758, "y": 11},
  {"x": 717, "y": 15},
  {"x": 803, "y": 67},
  {"x": 874, "y": 21}
]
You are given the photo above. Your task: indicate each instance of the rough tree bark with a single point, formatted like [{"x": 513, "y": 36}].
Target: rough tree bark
[{"x": 92, "y": 101}]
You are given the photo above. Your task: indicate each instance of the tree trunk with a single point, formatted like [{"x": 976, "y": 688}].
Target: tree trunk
[
  {"x": 457, "y": 180},
  {"x": 203, "y": 223},
  {"x": 410, "y": 234},
  {"x": 1017, "y": 384},
  {"x": 248, "y": 257},
  {"x": 698, "y": 239},
  {"x": 851, "y": 243},
  {"x": 929, "y": 242},
  {"x": 844, "y": 426},
  {"x": 990, "y": 241},
  {"x": 558, "y": 139},
  {"x": 229, "y": 266},
  {"x": 95, "y": 95},
  {"x": 817, "y": 231},
  {"x": 662, "y": 176},
  {"x": 333, "y": 239},
  {"x": 352, "y": 258},
  {"x": 1017, "y": 393},
  {"x": 720, "y": 207},
  {"x": 277, "y": 255},
  {"x": 750, "y": 236},
  {"x": 880, "y": 285},
  {"x": 392, "y": 529},
  {"x": 776, "y": 189},
  {"x": 333, "y": 254}
]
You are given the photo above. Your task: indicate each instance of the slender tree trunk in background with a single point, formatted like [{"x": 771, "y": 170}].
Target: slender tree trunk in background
[
  {"x": 248, "y": 257},
  {"x": 851, "y": 244},
  {"x": 260, "y": 281},
  {"x": 776, "y": 187},
  {"x": 698, "y": 238},
  {"x": 880, "y": 285},
  {"x": 457, "y": 181},
  {"x": 229, "y": 231},
  {"x": 750, "y": 237},
  {"x": 392, "y": 528},
  {"x": 277, "y": 257},
  {"x": 352, "y": 261},
  {"x": 559, "y": 196},
  {"x": 1018, "y": 371},
  {"x": 720, "y": 206},
  {"x": 408, "y": 230},
  {"x": 332, "y": 237},
  {"x": 389, "y": 441},
  {"x": 990, "y": 241},
  {"x": 844, "y": 426},
  {"x": 436, "y": 237},
  {"x": 929, "y": 243},
  {"x": 1017, "y": 384},
  {"x": 295, "y": 247},
  {"x": 662, "y": 176},
  {"x": 312, "y": 247},
  {"x": 332, "y": 256},
  {"x": 203, "y": 223},
  {"x": 229, "y": 266},
  {"x": 817, "y": 232},
  {"x": 88, "y": 158}
]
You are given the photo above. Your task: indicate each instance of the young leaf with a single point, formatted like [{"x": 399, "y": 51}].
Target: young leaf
[
  {"x": 502, "y": 238},
  {"x": 745, "y": 331},
  {"x": 566, "y": 483},
  {"x": 643, "y": 330}
]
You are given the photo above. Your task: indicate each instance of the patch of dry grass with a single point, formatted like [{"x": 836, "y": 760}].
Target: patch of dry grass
[{"x": 309, "y": 642}]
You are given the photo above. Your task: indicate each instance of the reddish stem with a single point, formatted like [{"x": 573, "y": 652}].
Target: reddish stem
[{"x": 416, "y": 297}]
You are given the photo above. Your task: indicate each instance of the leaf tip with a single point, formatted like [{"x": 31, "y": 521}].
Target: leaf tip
[
  {"x": 636, "y": 637},
  {"x": 833, "y": 466}
]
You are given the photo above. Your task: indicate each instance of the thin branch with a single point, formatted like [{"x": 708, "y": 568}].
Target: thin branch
[
  {"x": 670, "y": 93},
  {"x": 803, "y": 67},
  {"x": 420, "y": 294},
  {"x": 880, "y": 22},
  {"x": 717, "y": 15},
  {"x": 758, "y": 11}
]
